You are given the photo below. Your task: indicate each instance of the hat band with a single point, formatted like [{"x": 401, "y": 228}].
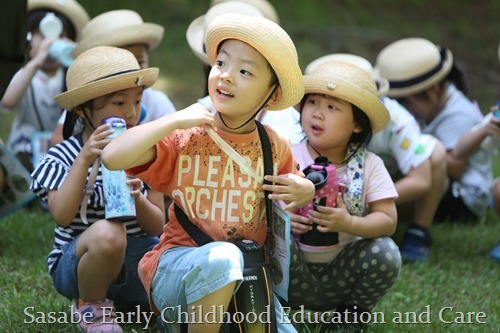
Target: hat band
[
  {"x": 423, "y": 77},
  {"x": 115, "y": 74}
]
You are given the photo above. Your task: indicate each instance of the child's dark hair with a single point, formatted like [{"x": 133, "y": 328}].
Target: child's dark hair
[
  {"x": 362, "y": 120},
  {"x": 35, "y": 16}
]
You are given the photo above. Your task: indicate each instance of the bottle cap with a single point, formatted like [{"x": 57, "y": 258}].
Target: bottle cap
[{"x": 51, "y": 26}]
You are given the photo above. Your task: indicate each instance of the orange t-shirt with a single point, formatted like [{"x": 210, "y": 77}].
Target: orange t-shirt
[{"x": 216, "y": 195}]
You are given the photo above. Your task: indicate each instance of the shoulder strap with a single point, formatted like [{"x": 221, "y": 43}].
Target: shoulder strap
[
  {"x": 268, "y": 170},
  {"x": 199, "y": 236},
  {"x": 88, "y": 190},
  {"x": 192, "y": 229}
]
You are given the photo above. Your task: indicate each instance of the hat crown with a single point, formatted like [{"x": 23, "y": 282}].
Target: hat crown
[
  {"x": 110, "y": 21},
  {"x": 338, "y": 72},
  {"x": 98, "y": 63},
  {"x": 264, "y": 6},
  {"x": 271, "y": 41},
  {"x": 408, "y": 58}
]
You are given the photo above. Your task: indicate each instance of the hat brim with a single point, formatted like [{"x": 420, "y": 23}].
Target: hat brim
[
  {"x": 72, "y": 98},
  {"x": 147, "y": 33},
  {"x": 347, "y": 90},
  {"x": 270, "y": 40},
  {"x": 195, "y": 36},
  {"x": 76, "y": 14},
  {"x": 401, "y": 89}
]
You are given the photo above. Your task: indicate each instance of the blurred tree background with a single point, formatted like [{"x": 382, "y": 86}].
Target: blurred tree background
[{"x": 471, "y": 29}]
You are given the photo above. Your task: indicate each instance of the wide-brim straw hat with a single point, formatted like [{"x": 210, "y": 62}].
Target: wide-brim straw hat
[
  {"x": 118, "y": 28},
  {"x": 196, "y": 30},
  {"x": 100, "y": 71},
  {"x": 413, "y": 65},
  {"x": 381, "y": 82},
  {"x": 271, "y": 41},
  {"x": 352, "y": 84},
  {"x": 264, "y": 6},
  {"x": 71, "y": 9}
]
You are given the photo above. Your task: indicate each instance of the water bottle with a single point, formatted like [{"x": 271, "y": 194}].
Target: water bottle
[
  {"x": 119, "y": 203},
  {"x": 60, "y": 50},
  {"x": 324, "y": 176},
  {"x": 50, "y": 26}
]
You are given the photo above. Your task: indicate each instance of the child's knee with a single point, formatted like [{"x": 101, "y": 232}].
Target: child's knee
[{"x": 109, "y": 236}]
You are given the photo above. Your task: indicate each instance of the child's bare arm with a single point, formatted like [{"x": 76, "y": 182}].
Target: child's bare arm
[
  {"x": 65, "y": 201},
  {"x": 380, "y": 221},
  {"x": 136, "y": 146}
]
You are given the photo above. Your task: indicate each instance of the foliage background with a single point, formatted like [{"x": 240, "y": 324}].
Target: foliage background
[
  {"x": 459, "y": 273},
  {"x": 318, "y": 27}
]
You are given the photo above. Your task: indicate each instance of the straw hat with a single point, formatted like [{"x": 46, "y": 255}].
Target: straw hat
[
  {"x": 195, "y": 33},
  {"x": 381, "y": 82},
  {"x": 352, "y": 84},
  {"x": 413, "y": 65},
  {"x": 264, "y": 6},
  {"x": 71, "y": 9},
  {"x": 270, "y": 40},
  {"x": 118, "y": 28},
  {"x": 100, "y": 71}
]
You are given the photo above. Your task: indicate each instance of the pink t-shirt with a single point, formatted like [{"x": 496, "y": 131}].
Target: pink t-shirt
[
  {"x": 216, "y": 195},
  {"x": 377, "y": 185}
]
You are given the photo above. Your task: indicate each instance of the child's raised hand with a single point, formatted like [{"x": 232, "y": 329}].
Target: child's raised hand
[
  {"x": 97, "y": 140},
  {"x": 194, "y": 115},
  {"x": 294, "y": 190},
  {"x": 330, "y": 219}
]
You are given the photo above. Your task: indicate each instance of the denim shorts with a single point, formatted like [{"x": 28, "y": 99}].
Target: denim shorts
[
  {"x": 187, "y": 274},
  {"x": 127, "y": 291}
]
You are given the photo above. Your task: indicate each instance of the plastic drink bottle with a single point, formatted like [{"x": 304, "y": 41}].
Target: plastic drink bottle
[{"x": 119, "y": 203}]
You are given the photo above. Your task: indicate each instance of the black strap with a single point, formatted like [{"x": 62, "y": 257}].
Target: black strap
[
  {"x": 268, "y": 170},
  {"x": 199, "y": 236},
  {"x": 192, "y": 229}
]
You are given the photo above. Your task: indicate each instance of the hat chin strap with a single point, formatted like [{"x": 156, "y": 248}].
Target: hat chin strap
[{"x": 255, "y": 114}]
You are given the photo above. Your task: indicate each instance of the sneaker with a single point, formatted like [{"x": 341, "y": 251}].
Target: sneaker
[
  {"x": 98, "y": 317},
  {"x": 416, "y": 244},
  {"x": 495, "y": 253}
]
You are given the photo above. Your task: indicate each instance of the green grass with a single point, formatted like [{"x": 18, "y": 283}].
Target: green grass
[{"x": 459, "y": 275}]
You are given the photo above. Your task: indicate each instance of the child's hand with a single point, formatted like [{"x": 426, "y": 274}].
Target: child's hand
[
  {"x": 43, "y": 51},
  {"x": 194, "y": 115},
  {"x": 136, "y": 184},
  {"x": 93, "y": 147},
  {"x": 493, "y": 126},
  {"x": 296, "y": 191},
  {"x": 299, "y": 224},
  {"x": 330, "y": 219}
]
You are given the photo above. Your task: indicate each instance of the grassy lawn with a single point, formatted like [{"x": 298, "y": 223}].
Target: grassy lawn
[{"x": 460, "y": 278}]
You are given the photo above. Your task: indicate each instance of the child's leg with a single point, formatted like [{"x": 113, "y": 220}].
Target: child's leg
[
  {"x": 360, "y": 275},
  {"x": 426, "y": 207},
  {"x": 187, "y": 277},
  {"x": 496, "y": 196},
  {"x": 417, "y": 238},
  {"x": 101, "y": 249}
]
